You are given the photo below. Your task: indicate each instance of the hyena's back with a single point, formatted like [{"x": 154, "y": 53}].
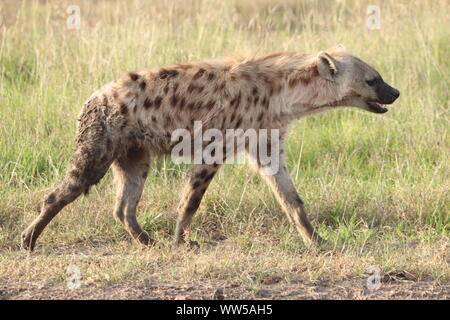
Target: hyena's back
[{"x": 144, "y": 108}]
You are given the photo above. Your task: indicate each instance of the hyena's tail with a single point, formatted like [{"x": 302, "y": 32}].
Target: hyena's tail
[{"x": 93, "y": 156}]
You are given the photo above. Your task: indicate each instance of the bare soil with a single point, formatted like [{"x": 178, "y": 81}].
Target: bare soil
[{"x": 351, "y": 288}]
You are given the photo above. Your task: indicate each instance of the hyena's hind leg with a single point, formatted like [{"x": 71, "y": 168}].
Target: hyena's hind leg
[
  {"x": 89, "y": 165},
  {"x": 130, "y": 172},
  {"x": 193, "y": 192}
]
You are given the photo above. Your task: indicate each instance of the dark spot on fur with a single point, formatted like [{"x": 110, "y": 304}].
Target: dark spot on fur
[
  {"x": 233, "y": 116},
  {"x": 164, "y": 74},
  {"x": 50, "y": 199},
  {"x": 191, "y": 87},
  {"x": 305, "y": 81},
  {"x": 255, "y": 91},
  {"x": 174, "y": 100},
  {"x": 158, "y": 101},
  {"x": 260, "y": 116},
  {"x": 153, "y": 118},
  {"x": 147, "y": 103},
  {"x": 237, "y": 100},
  {"x": 219, "y": 87},
  {"x": 166, "y": 88},
  {"x": 194, "y": 203},
  {"x": 199, "y": 73},
  {"x": 142, "y": 85},
  {"x": 123, "y": 109},
  {"x": 293, "y": 81},
  {"x": 133, "y": 76},
  {"x": 264, "y": 101},
  {"x": 211, "y": 76},
  {"x": 238, "y": 122},
  {"x": 182, "y": 103},
  {"x": 210, "y": 104},
  {"x": 168, "y": 121},
  {"x": 199, "y": 105}
]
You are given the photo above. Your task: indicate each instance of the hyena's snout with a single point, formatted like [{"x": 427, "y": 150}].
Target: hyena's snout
[{"x": 385, "y": 95}]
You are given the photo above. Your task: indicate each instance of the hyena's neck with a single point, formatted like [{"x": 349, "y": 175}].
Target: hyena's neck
[{"x": 294, "y": 87}]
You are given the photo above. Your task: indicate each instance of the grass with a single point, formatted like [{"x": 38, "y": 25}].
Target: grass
[{"x": 376, "y": 186}]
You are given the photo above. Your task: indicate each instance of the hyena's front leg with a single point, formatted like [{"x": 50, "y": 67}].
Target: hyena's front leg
[
  {"x": 194, "y": 190},
  {"x": 284, "y": 189}
]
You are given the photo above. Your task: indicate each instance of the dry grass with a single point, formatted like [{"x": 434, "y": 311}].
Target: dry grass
[{"x": 376, "y": 186}]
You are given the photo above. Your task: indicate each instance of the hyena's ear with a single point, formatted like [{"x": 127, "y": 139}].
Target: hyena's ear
[{"x": 327, "y": 66}]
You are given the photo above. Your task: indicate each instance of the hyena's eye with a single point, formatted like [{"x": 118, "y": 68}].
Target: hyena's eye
[{"x": 372, "y": 82}]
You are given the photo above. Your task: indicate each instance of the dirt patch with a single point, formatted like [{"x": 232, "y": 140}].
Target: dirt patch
[{"x": 351, "y": 288}]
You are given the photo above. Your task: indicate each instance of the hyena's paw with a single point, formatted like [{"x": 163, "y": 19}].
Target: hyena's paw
[
  {"x": 28, "y": 242},
  {"x": 145, "y": 240}
]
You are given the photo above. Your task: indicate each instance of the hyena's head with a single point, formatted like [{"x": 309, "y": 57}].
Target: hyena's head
[{"x": 357, "y": 83}]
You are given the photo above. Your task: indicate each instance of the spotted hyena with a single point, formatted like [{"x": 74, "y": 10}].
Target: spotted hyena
[{"x": 131, "y": 120}]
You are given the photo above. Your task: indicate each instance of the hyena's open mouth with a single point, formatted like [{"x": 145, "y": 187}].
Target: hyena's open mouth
[{"x": 377, "y": 107}]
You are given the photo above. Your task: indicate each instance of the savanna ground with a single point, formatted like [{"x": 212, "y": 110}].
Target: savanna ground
[{"x": 377, "y": 187}]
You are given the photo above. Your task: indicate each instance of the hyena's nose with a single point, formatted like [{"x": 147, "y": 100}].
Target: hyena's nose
[{"x": 395, "y": 93}]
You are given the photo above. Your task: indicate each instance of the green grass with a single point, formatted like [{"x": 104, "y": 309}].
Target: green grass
[{"x": 376, "y": 186}]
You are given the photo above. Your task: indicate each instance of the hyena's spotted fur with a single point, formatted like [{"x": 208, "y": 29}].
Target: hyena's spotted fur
[{"x": 130, "y": 120}]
